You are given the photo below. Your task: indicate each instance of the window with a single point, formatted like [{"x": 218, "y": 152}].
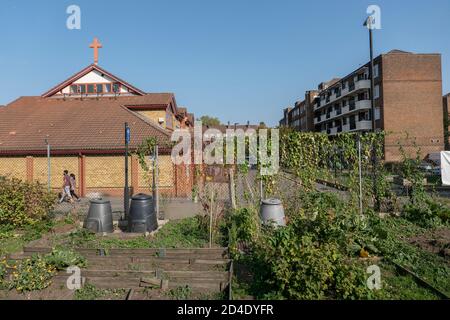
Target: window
[
  {"x": 364, "y": 116},
  {"x": 99, "y": 88},
  {"x": 82, "y": 88},
  {"x": 362, "y": 76},
  {"x": 352, "y": 122},
  {"x": 116, "y": 87},
  {"x": 73, "y": 89},
  {"x": 108, "y": 87},
  {"x": 376, "y": 71},
  {"x": 90, "y": 88},
  {"x": 376, "y": 92},
  {"x": 377, "y": 114},
  {"x": 344, "y": 121}
]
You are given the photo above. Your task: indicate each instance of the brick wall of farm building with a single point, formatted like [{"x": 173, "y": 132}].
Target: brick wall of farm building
[
  {"x": 104, "y": 174},
  {"x": 58, "y": 165},
  {"x": 14, "y": 167}
]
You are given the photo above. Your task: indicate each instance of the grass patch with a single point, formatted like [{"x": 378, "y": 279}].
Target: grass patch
[
  {"x": 180, "y": 293},
  {"x": 402, "y": 287},
  {"x": 185, "y": 233},
  {"x": 393, "y": 244},
  {"x": 14, "y": 239},
  {"x": 91, "y": 292}
]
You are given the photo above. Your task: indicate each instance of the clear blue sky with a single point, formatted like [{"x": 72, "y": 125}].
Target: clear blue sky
[{"x": 235, "y": 59}]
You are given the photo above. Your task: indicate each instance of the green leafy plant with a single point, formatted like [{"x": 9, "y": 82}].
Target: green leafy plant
[
  {"x": 180, "y": 293},
  {"x": 91, "y": 292},
  {"x": 3, "y": 268},
  {"x": 31, "y": 274},
  {"x": 63, "y": 258},
  {"x": 24, "y": 203},
  {"x": 145, "y": 149}
]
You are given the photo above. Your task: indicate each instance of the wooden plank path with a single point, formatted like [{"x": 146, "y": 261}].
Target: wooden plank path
[{"x": 204, "y": 270}]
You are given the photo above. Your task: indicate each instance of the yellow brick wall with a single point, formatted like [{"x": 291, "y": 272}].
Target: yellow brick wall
[
  {"x": 154, "y": 115},
  {"x": 106, "y": 171},
  {"x": 166, "y": 173},
  {"x": 57, "y": 167},
  {"x": 14, "y": 168}
]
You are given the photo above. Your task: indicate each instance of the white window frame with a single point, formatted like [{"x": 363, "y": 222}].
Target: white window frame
[
  {"x": 376, "y": 71},
  {"x": 376, "y": 91}
]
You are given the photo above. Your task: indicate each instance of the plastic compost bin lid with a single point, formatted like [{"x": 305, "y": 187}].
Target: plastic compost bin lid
[
  {"x": 141, "y": 196},
  {"x": 99, "y": 201},
  {"x": 271, "y": 201}
]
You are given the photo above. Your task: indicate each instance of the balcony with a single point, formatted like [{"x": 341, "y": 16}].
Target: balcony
[
  {"x": 363, "y": 104},
  {"x": 364, "y": 125},
  {"x": 351, "y": 88},
  {"x": 351, "y": 106},
  {"x": 361, "y": 125},
  {"x": 362, "y": 84}
]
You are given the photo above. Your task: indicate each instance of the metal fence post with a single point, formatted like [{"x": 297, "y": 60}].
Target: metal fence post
[
  {"x": 156, "y": 175},
  {"x": 49, "y": 168},
  {"x": 374, "y": 172},
  {"x": 360, "y": 176}
]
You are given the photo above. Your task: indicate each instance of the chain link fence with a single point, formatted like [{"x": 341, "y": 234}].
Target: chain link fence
[{"x": 98, "y": 175}]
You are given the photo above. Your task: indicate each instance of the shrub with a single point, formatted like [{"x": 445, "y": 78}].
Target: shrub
[
  {"x": 297, "y": 267},
  {"x": 31, "y": 274},
  {"x": 61, "y": 259},
  {"x": 427, "y": 213},
  {"x": 180, "y": 293},
  {"x": 311, "y": 257},
  {"x": 3, "y": 265},
  {"x": 24, "y": 203}
]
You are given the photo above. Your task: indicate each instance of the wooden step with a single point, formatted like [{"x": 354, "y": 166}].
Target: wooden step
[
  {"x": 150, "y": 251},
  {"x": 196, "y": 284},
  {"x": 186, "y": 274},
  {"x": 156, "y": 265}
]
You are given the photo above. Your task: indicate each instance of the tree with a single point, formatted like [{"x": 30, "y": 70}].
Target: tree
[{"x": 209, "y": 121}]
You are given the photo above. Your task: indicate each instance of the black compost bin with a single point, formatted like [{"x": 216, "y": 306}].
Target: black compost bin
[
  {"x": 142, "y": 216},
  {"x": 99, "y": 218}
]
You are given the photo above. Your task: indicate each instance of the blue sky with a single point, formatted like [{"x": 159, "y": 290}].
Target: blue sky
[{"x": 237, "y": 60}]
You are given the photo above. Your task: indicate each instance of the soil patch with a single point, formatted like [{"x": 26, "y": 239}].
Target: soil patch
[{"x": 436, "y": 241}]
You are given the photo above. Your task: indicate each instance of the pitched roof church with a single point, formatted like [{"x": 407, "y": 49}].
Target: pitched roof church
[{"x": 82, "y": 119}]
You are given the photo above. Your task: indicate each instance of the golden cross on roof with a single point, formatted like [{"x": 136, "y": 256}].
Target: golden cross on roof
[{"x": 96, "y": 45}]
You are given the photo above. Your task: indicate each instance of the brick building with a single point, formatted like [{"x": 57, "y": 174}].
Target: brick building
[
  {"x": 408, "y": 99},
  {"x": 82, "y": 119}
]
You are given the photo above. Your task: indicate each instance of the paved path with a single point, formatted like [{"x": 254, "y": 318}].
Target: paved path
[{"x": 172, "y": 209}]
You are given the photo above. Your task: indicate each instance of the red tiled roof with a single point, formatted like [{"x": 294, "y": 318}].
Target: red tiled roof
[{"x": 75, "y": 124}]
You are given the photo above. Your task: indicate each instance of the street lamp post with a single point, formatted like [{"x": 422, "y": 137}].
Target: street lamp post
[{"x": 369, "y": 24}]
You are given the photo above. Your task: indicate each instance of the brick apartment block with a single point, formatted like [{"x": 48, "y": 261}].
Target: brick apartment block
[{"x": 408, "y": 100}]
